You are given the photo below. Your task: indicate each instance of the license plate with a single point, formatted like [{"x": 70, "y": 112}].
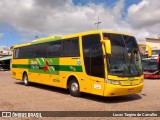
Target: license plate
[{"x": 131, "y": 90}]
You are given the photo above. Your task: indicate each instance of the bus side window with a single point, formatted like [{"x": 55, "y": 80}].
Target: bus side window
[
  {"x": 40, "y": 51},
  {"x": 54, "y": 49},
  {"x": 27, "y": 52},
  {"x": 75, "y": 47},
  {"x": 71, "y": 47},
  {"x": 16, "y": 53}
]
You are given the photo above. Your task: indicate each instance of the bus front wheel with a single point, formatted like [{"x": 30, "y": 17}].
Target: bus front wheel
[
  {"x": 74, "y": 88},
  {"x": 25, "y": 79}
]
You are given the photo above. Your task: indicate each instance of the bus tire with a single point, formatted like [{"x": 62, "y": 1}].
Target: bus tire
[
  {"x": 25, "y": 79},
  {"x": 74, "y": 88}
]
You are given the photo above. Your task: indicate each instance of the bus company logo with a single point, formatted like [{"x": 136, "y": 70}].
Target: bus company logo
[
  {"x": 46, "y": 65},
  {"x": 43, "y": 63},
  {"x": 45, "y": 68},
  {"x": 6, "y": 114},
  {"x": 79, "y": 62}
]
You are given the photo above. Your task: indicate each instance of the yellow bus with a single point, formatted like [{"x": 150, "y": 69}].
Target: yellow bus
[{"x": 98, "y": 62}]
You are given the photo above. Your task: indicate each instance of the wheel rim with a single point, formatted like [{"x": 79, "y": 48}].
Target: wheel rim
[
  {"x": 74, "y": 87},
  {"x": 25, "y": 80}
]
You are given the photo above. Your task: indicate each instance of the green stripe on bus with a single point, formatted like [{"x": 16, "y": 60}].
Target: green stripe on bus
[
  {"x": 70, "y": 68},
  {"x": 56, "y": 67},
  {"x": 20, "y": 66},
  {"x": 46, "y": 40}
]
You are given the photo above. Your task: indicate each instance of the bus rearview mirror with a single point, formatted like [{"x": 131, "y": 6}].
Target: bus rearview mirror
[{"x": 107, "y": 46}]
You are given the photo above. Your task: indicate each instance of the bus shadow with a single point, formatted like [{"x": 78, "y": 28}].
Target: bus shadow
[
  {"x": 46, "y": 87},
  {"x": 118, "y": 99}
]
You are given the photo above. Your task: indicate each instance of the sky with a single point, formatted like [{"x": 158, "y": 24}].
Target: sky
[{"x": 22, "y": 20}]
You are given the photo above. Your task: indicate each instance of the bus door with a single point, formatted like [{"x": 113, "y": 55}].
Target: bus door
[
  {"x": 94, "y": 62},
  {"x": 96, "y": 69}
]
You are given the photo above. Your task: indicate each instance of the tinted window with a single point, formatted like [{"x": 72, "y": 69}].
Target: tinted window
[
  {"x": 150, "y": 65},
  {"x": 54, "y": 49},
  {"x": 40, "y": 50},
  {"x": 71, "y": 47},
  {"x": 93, "y": 55},
  {"x": 51, "y": 49},
  {"x": 16, "y": 53},
  {"x": 27, "y": 52},
  {"x": 118, "y": 46}
]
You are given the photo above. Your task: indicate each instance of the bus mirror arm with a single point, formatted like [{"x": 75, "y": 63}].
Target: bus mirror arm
[
  {"x": 148, "y": 47},
  {"x": 107, "y": 46}
]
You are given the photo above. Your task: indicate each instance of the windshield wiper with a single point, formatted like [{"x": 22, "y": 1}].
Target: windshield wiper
[
  {"x": 124, "y": 70},
  {"x": 137, "y": 68},
  {"x": 126, "y": 63},
  {"x": 129, "y": 66}
]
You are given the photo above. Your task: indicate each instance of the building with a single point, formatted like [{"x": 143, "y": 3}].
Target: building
[
  {"x": 5, "y": 63},
  {"x": 153, "y": 42},
  {"x": 6, "y": 51},
  {"x": 5, "y": 58},
  {"x": 155, "y": 45}
]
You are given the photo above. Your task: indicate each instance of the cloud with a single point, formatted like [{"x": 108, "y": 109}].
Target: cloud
[
  {"x": 145, "y": 15},
  {"x": 1, "y": 35},
  {"x": 60, "y": 17},
  {"x": 3, "y": 47}
]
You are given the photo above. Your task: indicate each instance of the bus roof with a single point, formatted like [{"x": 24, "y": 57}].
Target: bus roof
[
  {"x": 52, "y": 38},
  {"x": 40, "y": 40},
  {"x": 94, "y": 31}
]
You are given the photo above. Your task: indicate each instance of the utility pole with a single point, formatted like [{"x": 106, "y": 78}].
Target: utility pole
[
  {"x": 36, "y": 36},
  {"x": 97, "y": 23}
]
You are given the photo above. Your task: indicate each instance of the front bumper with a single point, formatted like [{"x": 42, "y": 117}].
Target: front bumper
[
  {"x": 118, "y": 90},
  {"x": 152, "y": 75}
]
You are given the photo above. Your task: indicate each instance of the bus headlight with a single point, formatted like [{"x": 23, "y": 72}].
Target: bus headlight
[
  {"x": 114, "y": 82},
  {"x": 141, "y": 81}
]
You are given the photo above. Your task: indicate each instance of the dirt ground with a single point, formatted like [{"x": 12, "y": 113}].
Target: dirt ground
[{"x": 14, "y": 96}]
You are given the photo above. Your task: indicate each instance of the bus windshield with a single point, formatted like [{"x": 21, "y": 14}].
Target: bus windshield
[
  {"x": 125, "y": 57},
  {"x": 150, "y": 65}
]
